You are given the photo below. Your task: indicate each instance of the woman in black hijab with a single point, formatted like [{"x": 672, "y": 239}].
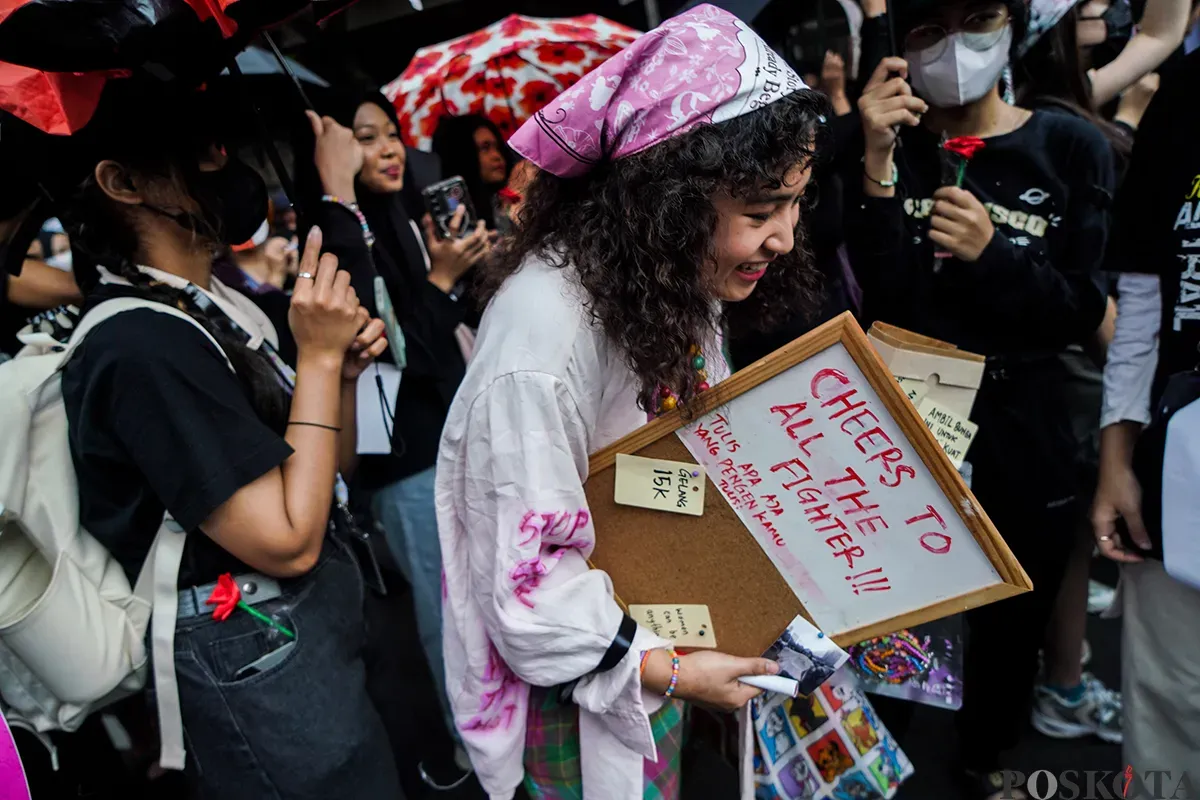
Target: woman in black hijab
[
  {"x": 473, "y": 147},
  {"x": 361, "y": 196}
]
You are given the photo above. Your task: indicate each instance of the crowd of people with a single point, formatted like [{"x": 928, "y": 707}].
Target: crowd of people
[{"x": 666, "y": 221}]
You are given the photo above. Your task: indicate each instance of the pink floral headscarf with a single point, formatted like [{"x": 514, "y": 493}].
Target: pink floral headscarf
[{"x": 705, "y": 66}]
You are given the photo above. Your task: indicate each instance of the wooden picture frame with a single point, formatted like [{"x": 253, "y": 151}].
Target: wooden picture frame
[{"x": 641, "y": 550}]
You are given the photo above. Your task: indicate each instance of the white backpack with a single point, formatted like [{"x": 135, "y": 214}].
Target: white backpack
[{"x": 72, "y": 630}]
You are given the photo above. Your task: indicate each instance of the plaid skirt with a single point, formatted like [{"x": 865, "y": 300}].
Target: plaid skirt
[{"x": 552, "y": 750}]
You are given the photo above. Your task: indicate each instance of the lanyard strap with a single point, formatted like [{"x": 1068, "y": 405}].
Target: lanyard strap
[{"x": 203, "y": 304}]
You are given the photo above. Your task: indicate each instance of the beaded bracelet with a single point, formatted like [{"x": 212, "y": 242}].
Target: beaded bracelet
[
  {"x": 674, "y": 674},
  {"x": 645, "y": 657},
  {"x": 353, "y": 208}
]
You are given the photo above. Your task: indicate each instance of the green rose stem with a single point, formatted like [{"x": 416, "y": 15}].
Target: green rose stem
[
  {"x": 962, "y": 171},
  {"x": 264, "y": 618}
]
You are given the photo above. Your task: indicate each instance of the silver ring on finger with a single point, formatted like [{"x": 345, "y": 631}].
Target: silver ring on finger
[
  {"x": 1106, "y": 538},
  {"x": 307, "y": 275}
]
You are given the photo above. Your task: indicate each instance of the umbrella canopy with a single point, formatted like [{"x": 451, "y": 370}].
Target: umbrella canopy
[
  {"x": 505, "y": 72},
  {"x": 56, "y": 55},
  {"x": 258, "y": 61}
]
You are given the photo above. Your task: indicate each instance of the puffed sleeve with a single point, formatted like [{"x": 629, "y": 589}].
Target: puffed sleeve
[{"x": 530, "y": 533}]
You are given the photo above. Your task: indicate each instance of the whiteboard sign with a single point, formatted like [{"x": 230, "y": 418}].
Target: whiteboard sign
[{"x": 838, "y": 497}]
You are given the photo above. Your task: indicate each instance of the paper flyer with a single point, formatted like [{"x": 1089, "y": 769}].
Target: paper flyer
[{"x": 827, "y": 746}]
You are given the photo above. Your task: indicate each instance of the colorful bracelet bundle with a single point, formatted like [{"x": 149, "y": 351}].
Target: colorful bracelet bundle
[
  {"x": 674, "y": 674},
  {"x": 895, "y": 658},
  {"x": 353, "y": 208},
  {"x": 674, "y": 670}
]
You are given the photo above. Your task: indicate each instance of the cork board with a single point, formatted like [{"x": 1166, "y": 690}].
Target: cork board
[{"x": 758, "y": 556}]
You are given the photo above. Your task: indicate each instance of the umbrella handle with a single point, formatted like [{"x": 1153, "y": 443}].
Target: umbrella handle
[
  {"x": 283, "y": 63},
  {"x": 285, "y": 180}
]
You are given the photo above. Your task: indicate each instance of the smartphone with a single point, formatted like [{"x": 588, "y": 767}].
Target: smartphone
[{"x": 443, "y": 199}]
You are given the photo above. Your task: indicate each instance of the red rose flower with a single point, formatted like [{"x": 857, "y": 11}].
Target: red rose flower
[
  {"x": 535, "y": 95},
  {"x": 965, "y": 146},
  {"x": 560, "y": 53},
  {"x": 225, "y": 597}
]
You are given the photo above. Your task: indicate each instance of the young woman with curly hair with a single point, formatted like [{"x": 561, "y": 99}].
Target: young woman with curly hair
[{"x": 671, "y": 180}]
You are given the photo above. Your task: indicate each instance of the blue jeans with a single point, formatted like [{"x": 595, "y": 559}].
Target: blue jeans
[
  {"x": 303, "y": 728},
  {"x": 407, "y": 513}
]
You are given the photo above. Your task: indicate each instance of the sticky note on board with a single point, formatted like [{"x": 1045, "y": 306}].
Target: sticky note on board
[
  {"x": 687, "y": 626},
  {"x": 659, "y": 485},
  {"x": 915, "y": 389},
  {"x": 953, "y": 432}
]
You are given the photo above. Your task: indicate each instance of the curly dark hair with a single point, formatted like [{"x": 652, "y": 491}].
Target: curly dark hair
[{"x": 638, "y": 233}]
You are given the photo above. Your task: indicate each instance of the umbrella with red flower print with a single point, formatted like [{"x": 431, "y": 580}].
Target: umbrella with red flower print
[{"x": 505, "y": 72}]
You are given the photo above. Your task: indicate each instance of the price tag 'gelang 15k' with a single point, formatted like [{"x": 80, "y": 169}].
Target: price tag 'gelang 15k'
[{"x": 659, "y": 485}]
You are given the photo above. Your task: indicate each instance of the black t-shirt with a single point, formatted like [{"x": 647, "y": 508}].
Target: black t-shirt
[
  {"x": 1033, "y": 291},
  {"x": 1156, "y": 225},
  {"x": 157, "y": 420}
]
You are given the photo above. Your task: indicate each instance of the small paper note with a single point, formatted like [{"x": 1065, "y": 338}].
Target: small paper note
[
  {"x": 686, "y": 626},
  {"x": 953, "y": 432},
  {"x": 660, "y": 485},
  {"x": 914, "y": 388}
]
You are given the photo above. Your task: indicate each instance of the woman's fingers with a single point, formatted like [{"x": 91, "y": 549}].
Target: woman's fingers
[
  {"x": 318, "y": 127},
  {"x": 373, "y": 330},
  {"x": 886, "y": 67},
  {"x": 456, "y": 221},
  {"x": 327, "y": 269}
]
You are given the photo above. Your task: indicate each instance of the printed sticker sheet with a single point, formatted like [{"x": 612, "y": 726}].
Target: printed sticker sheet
[{"x": 827, "y": 746}]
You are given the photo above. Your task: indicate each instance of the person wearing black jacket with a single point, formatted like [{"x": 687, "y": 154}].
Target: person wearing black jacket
[
  {"x": 366, "y": 216},
  {"x": 1003, "y": 266}
]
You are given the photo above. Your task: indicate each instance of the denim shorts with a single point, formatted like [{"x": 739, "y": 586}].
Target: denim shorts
[{"x": 302, "y": 728}]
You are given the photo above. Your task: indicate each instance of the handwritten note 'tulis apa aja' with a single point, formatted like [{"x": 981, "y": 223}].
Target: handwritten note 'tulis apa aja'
[{"x": 659, "y": 485}]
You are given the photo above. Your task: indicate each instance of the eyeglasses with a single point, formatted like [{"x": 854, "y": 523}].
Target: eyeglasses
[{"x": 982, "y": 28}]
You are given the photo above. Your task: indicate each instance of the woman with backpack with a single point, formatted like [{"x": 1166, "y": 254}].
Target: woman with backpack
[
  {"x": 196, "y": 418},
  {"x": 999, "y": 258}
]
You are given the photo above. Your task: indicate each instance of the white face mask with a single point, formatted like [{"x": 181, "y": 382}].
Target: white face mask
[{"x": 961, "y": 74}]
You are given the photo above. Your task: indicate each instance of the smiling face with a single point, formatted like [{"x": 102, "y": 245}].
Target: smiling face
[
  {"x": 383, "y": 153},
  {"x": 753, "y": 231}
]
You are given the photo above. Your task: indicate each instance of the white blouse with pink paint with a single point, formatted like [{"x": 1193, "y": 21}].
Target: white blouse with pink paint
[{"x": 544, "y": 389}]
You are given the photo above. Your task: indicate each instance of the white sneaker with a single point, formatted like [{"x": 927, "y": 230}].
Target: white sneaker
[
  {"x": 1098, "y": 712},
  {"x": 1100, "y": 597}
]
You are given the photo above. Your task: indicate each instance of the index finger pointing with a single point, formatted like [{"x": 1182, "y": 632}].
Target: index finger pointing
[{"x": 312, "y": 253}]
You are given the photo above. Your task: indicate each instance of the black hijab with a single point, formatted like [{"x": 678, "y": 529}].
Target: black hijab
[{"x": 398, "y": 254}]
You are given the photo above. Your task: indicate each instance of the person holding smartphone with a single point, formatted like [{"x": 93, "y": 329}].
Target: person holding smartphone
[
  {"x": 1005, "y": 265},
  {"x": 357, "y": 192}
]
